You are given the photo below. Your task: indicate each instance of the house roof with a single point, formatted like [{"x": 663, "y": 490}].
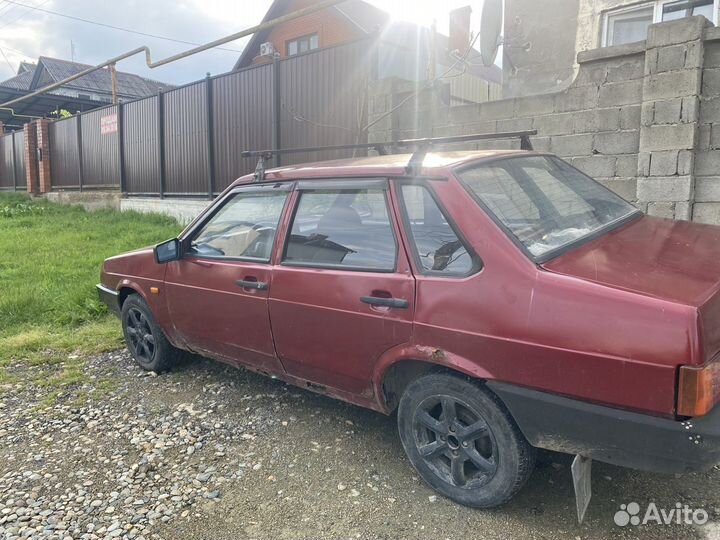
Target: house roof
[
  {"x": 365, "y": 16},
  {"x": 33, "y": 77}
]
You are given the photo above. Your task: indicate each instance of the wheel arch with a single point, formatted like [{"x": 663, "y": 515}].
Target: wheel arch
[{"x": 399, "y": 367}]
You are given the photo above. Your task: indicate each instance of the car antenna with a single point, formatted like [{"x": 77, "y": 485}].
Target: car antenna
[{"x": 414, "y": 166}]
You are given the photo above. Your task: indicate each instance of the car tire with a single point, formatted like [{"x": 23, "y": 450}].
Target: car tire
[
  {"x": 144, "y": 337},
  {"x": 462, "y": 441}
]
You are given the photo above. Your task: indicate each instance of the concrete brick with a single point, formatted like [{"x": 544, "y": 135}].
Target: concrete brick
[
  {"x": 710, "y": 110},
  {"x": 711, "y": 54},
  {"x": 535, "y": 105},
  {"x": 714, "y": 141},
  {"x": 577, "y": 99},
  {"x": 707, "y": 163},
  {"x": 595, "y": 166},
  {"x": 665, "y": 189},
  {"x": 555, "y": 124},
  {"x": 647, "y": 115},
  {"x": 683, "y": 210},
  {"x": 703, "y": 137},
  {"x": 707, "y": 213},
  {"x": 671, "y": 84},
  {"x": 494, "y": 110},
  {"x": 572, "y": 145},
  {"x": 711, "y": 83},
  {"x": 515, "y": 124},
  {"x": 694, "y": 55},
  {"x": 686, "y": 161},
  {"x": 679, "y": 31},
  {"x": 664, "y": 163},
  {"x": 621, "y": 93},
  {"x": 651, "y": 56},
  {"x": 628, "y": 70},
  {"x": 668, "y": 111},
  {"x": 626, "y": 165},
  {"x": 625, "y": 187},
  {"x": 619, "y": 142},
  {"x": 630, "y": 117},
  {"x": 644, "y": 164},
  {"x": 596, "y": 120},
  {"x": 671, "y": 58},
  {"x": 541, "y": 144},
  {"x": 593, "y": 74},
  {"x": 661, "y": 209},
  {"x": 667, "y": 137},
  {"x": 707, "y": 189},
  {"x": 690, "y": 109},
  {"x": 478, "y": 127},
  {"x": 462, "y": 114}
]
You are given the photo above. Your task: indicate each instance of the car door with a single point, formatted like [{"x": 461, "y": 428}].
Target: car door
[
  {"x": 217, "y": 293},
  {"x": 343, "y": 292}
]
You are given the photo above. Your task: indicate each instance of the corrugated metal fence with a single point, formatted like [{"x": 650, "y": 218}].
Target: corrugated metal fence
[
  {"x": 188, "y": 141},
  {"x": 12, "y": 164}
]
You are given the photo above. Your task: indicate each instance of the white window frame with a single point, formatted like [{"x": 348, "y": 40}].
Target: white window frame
[{"x": 657, "y": 6}]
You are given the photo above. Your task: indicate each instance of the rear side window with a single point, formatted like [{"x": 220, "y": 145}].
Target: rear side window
[
  {"x": 437, "y": 247},
  {"x": 243, "y": 228},
  {"x": 342, "y": 228}
]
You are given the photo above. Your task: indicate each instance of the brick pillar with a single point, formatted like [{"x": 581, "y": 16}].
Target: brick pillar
[
  {"x": 670, "y": 117},
  {"x": 43, "y": 143},
  {"x": 30, "y": 157},
  {"x": 2, "y": 129}
]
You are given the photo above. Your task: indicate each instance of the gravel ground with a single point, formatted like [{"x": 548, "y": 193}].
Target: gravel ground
[{"x": 208, "y": 451}]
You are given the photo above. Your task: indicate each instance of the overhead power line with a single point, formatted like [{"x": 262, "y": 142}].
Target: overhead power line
[
  {"x": 120, "y": 28},
  {"x": 21, "y": 15}
]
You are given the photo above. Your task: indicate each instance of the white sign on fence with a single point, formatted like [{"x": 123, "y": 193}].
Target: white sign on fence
[{"x": 108, "y": 124}]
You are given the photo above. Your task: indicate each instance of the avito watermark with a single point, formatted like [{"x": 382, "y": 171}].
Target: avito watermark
[{"x": 680, "y": 514}]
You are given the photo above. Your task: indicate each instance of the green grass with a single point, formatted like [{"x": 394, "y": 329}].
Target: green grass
[{"x": 50, "y": 258}]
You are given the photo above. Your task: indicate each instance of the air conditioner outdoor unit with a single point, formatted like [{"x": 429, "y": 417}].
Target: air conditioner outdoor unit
[{"x": 267, "y": 49}]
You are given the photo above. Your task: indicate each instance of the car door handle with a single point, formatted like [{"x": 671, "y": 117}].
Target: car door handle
[
  {"x": 399, "y": 303},
  {"x": 252, "y": 284}
]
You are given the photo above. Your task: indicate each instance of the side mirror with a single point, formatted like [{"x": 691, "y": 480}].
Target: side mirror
[{"x": 167, "y": 251}]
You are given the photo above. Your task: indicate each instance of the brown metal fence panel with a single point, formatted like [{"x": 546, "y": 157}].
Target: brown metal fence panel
[
  {"x": 324, "y": 100},
  {"x": 20, "y": 159},
  {"x": 242, "y": 120},
  {"x": 64, "y": 153},
  {"x": 100, "y": 148},
  {"x": 140, "y": 146},
  {"x": 7, "y": 178},
  {"x": 186, "y": 140}
]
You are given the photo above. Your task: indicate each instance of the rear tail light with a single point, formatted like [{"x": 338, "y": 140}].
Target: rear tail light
[{"x": 698, "y": 389}]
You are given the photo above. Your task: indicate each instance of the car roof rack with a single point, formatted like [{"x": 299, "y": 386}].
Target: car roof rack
[{"x": 421, "y": 148}]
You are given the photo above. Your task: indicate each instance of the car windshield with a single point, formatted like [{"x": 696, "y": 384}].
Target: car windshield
[{"x": 544, "y": 202}]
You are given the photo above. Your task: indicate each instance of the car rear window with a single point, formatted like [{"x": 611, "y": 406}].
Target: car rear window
[
  {"x": 545, "y": 203},
  {"x": 342, "y": 228}
]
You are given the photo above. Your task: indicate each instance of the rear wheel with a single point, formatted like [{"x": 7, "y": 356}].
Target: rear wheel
[
  {"x": 462, "y": 441},
  {"x": 144, "y": 337}
]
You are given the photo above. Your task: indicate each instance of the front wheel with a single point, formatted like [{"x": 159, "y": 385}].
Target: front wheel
[
  {"x": 144, "y": 337},
  {"x": 462, "y": 441}
]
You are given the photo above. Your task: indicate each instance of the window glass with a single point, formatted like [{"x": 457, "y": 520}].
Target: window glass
[
  {"x": 629, "y": 26},
  {"x": 687, "y": 8},
  {"x": 314, "y": 41},
  {"x": 292, "y": 48},
  {"x": 303, "y": 44},
  {"x": 244, "y": 227},
  {"x": 436, "y": 245},
  {"x": 543, "y": 201},
  {"x": 342, "y": 228}
]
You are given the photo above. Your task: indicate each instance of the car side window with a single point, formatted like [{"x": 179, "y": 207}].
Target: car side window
[
  {"x": 437, "y": 247},
  {"x": 244, "y": 227},
  {"x": 342, "y": 228}
]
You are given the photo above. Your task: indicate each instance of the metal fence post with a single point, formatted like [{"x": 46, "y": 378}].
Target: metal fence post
[
  {"x": 121, "y": 147},
  {"x": 161, "y": 141},
  {"x": 276, "y": 104},
  {"x": 14, "y": 163},
  {"x": 210, "y": 136},
  {"x": 78, "y": 122}
]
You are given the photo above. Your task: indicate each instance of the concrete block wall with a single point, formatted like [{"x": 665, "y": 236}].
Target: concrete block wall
[{"x": 640, "y": 118}]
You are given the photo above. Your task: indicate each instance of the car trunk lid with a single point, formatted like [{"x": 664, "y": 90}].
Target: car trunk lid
[{"x": 676, "y": 261}]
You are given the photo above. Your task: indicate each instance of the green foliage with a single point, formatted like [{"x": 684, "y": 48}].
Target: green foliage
[{"x": 50, "y": 263}]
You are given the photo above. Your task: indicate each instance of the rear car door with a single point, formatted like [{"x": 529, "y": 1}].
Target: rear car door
[
  {"x": 217, "y": 292},
  {"x": 343, "y": 292}
]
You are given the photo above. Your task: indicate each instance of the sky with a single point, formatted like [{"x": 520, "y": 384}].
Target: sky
[{"x": 27, "y": 33}]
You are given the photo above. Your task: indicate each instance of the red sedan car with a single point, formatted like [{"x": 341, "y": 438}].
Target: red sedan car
[{"x": 500, "y": 301}]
